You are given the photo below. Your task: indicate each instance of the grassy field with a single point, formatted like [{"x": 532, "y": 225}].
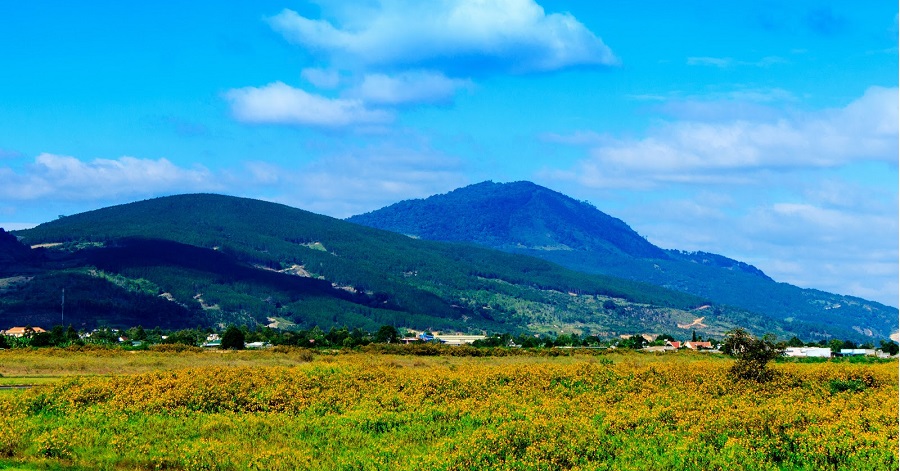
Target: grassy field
[{"x": 293, "y": 410}]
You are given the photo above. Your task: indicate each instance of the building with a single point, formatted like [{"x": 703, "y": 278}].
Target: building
[
  {"x": 22, "y": 331},
  {"x": 458, "y": 339},
  {"x": 445, "y": 339},
  {"x": 658, "y": 349},
  {"x": 698, "y": 345},
  {"x": 853, "y": 352},
  {"x": 808, "y": 352}
]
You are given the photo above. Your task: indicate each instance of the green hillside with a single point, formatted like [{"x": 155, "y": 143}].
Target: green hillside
[
  {"x": 222, "y": 259},
  {"x": 528, "y": 219}
]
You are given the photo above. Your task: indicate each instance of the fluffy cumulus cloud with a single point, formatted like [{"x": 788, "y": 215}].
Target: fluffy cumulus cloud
[
  {"x": 64, "y": 177},
  {"x": 278, "y": 103},
  {"x": 393, "y": 53},
  {"x": 377, "y": 57},
  {"x": 706, "y": 151},
  {"x": 465, "y": 35}
]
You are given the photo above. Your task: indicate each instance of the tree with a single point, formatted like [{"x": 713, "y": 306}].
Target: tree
[
  {"x": 753, "y": 355},
  {"x": 41, "y": 339},
  {"x": 890, "y": 347},
  {"x": 795, "y": 342},
  {"x": 387, "y": 334},
  {"x": 137, "y": 333},
  {"x": 72, "y": 335},
  {"x": 233, "y": 339},
  {"x": 187, "y": 337},
  {"x": 635, "y": 342},
  {"x": 835, "y": 345}
]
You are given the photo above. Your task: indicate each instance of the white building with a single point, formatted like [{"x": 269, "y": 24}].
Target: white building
[{"x": 808, "y": 352}]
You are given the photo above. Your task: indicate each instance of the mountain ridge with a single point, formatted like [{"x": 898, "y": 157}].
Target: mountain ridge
[
  {"x": 244, "y": 255},
  {"x": 704, "y": 274},
  {"x": 217, "y": 259}
]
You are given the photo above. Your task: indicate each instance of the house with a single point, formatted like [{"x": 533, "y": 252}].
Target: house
[
  {"x": 853, "y": 352},
  {"x": 673, "y": 343},
  {"x": 808, "y": 352},
  {"x": 659, "y": 348},
  {"x": 446, "y": 339},
  {"x": 22, "y": 331},
  {"x": 458, "y": 339},
  {"x": 698, "y": 345}
]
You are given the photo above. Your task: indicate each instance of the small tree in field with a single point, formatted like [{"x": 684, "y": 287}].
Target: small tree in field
[
  {"x": 233, "y": 339},
  {"x": 753, "y": 355}
]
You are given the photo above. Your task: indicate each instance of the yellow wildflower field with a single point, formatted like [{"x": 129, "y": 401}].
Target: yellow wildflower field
[{"x": 373, "y": 411}]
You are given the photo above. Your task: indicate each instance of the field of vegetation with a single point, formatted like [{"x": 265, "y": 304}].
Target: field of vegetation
[{"x": 291, "y": 408}]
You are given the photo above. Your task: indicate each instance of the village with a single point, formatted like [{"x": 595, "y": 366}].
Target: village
[{"x": 138, "y": 338}]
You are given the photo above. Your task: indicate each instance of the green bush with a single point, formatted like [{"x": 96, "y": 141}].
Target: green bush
[{"x": 841, "y": 385}]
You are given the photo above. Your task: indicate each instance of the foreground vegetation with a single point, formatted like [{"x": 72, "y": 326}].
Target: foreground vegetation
[{"x": 291, "y": 409}]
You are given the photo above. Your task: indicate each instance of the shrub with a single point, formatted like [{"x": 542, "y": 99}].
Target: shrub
[
  {"x": 753, "y": 355},
  {"x": 841, "y": 385}
]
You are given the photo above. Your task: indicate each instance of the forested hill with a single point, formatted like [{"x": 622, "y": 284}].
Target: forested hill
[
  {"x": 223, "y": 259},
  {"x": 511, "y": 216},
  {"x": 13, "y": 252},
  {"x": 525, "y": 218}
]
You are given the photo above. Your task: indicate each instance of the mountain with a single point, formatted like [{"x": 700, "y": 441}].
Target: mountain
[
  {"x": 512, "y": 216},
  {"x": 525, "y": 218},
  {"x": 206, "y": 259},
  {"x": 14, "y": 255}
]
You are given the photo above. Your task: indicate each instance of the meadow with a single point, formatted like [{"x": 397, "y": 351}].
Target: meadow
[{"x": 295, "y": 409}]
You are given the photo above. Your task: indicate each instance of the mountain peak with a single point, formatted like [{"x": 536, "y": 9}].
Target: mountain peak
[{"x": 512, "y": 215}]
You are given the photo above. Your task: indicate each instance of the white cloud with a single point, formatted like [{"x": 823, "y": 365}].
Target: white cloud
[
  {"x": 794, "y": 233},
  {"x": 343, "y": 185},
  {"x": 354, "y": 183},
  {"x": 700, "y": 151},
  {"x": 322, "y": 78},
  {"x": 475, "y": 35},
  {"x": 804, "y": 202},
  {"x": 828, "y": 245},
  {"x": 278, "y": 103},
  {"x": 65, "y": 177},
  {"x": 408, "y": 88}
]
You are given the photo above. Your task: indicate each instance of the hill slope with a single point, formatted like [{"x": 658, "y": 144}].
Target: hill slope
[
  {"x": 224, "y": 259},
  {"x": 525, "y": 218}
]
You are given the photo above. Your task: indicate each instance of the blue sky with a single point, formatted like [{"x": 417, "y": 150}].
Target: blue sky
[{"x": 763, "y": 131}]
